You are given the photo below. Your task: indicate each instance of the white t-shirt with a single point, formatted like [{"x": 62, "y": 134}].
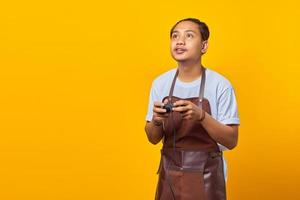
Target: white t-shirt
[{"x": 218, "y": 91}]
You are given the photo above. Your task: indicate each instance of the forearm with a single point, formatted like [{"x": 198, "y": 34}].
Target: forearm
[
  {"x": 154, "y": 133},
  {"x": 223, "y": 134}
]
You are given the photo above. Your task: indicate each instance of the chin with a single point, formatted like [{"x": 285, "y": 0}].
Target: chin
[{"x": 179, "y": 58}]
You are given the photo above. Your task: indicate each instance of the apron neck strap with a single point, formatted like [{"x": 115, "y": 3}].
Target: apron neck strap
[{"x": 201, "y": 91}]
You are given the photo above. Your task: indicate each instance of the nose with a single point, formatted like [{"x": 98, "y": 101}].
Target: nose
[{"x": 180, "y": 40}]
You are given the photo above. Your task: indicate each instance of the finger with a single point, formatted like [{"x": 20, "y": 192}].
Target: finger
[
  {"x": 159, "y": 110},
  {"x": 181, "y": 103},
  {"x": 188, "y": 117},
  {"x": 181, "y": 108},
  {"x": 164, "y": 115},
  {"x": 158, "y": 104},
  {"x": 166, "y": 101},
  {"x": 158, "y": 119},
  {"x": 189, "y": 112}
]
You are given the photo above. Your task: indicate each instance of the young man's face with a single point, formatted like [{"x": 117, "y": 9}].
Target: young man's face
[{"x": 186, "y": 42}]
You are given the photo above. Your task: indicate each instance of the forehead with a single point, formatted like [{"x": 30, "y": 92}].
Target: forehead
[{"x": 186, "y": 26}]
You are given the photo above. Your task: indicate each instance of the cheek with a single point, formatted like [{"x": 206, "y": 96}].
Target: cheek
[
  {"x": 171, "y": 49},
  {"x": 172, "y": 45},
  {"x": 195, "y": 48}
]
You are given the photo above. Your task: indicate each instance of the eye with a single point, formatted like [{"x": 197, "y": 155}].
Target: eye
[
  {"x": 189, "y": 35},
  {"x": 174, "y": 36}
]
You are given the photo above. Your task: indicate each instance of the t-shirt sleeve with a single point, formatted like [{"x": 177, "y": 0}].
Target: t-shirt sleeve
[
  {"x": 152, "y": 97},
  {"x": 227, "y": 107}
]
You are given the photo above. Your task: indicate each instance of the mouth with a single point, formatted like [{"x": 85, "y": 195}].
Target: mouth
[{"x": 179, "y": 50}]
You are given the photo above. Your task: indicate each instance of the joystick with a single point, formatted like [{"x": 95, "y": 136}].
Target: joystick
[{"x": 168, "y": 107}]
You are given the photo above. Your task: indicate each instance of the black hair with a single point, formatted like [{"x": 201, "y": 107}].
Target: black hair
[{"x": 203, "y": 28}]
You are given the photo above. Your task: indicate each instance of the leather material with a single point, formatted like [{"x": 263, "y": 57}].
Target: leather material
[{"x": 191, "y": 166}]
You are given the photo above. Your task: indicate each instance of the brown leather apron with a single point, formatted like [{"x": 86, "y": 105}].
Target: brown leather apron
[{"x": 191, "y": 166}]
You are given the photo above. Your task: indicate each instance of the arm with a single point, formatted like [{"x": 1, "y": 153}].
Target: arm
[
  {"x": 154, "y": 132},
  {"x": 227, "y": 135},
  {"x": 154, "y": 128}
]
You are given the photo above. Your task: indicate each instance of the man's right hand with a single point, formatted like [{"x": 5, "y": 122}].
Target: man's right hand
[{"x": 159, "y": 114}]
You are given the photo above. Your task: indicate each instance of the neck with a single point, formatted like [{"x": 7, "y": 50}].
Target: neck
[{"x": 189, "y": 71}]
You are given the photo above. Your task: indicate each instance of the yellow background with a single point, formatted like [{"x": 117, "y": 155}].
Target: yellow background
[{"x": 74, "y": 84}]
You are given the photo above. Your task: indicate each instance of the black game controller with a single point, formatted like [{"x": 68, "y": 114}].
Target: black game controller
[{"x": 168, "y": 107}]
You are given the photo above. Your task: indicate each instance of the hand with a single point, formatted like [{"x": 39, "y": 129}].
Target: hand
[
  {"x": 189, "y": 110},
  {"x": 159, "y": 114}
]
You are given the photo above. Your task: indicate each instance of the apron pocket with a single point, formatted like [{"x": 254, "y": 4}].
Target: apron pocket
[
  {"x": 192, "y": 185},
  {"x": 169, "y": 185}
]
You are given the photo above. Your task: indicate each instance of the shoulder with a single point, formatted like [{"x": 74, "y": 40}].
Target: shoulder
[
  {"x": 164, "y": 79},
  {"x": 218, "y": 80}
]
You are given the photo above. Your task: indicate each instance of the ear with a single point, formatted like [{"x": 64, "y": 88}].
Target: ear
[{"x": 204, "y": 46}]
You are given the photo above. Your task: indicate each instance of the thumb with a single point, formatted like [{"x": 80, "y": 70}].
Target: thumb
[{"x": 166, "y": 101}]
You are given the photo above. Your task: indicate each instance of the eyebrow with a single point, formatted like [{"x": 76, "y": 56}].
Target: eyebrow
[{"x": 184, "y": 31}]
